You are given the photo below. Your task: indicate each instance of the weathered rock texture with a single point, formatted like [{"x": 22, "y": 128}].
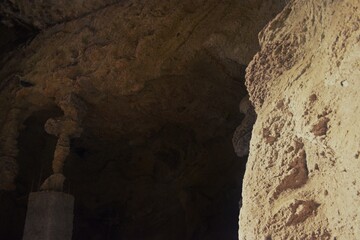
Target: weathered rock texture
[
  {"x": 242, "y": 134},
  {"x": 161, "y": 82},
  {"x": 303, "y": 174}
]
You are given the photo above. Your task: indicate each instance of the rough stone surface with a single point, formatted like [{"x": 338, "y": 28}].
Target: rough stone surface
[
  {"x": 42, "y": 14},
  {"x": 49, "y": 216},
  {"x": 242, "y": 134},
  {"x": 302, "y": 178}
]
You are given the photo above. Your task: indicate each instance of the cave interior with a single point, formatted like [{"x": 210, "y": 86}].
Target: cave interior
[{"x": 156, "y": 164}]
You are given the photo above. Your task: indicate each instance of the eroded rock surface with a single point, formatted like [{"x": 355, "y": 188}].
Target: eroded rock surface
[{"x": 302, "y": 178}]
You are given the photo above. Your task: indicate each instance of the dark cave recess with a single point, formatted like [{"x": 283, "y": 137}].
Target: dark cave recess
[{"x": 167, "y": 186}]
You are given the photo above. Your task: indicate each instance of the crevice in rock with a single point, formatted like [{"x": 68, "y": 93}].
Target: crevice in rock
[{"x": 12, "y": 37}]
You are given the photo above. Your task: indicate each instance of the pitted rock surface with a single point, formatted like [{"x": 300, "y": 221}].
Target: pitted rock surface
[{"x": 302, "y": 177}]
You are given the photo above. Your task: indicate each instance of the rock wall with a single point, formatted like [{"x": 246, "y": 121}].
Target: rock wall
[{"x": 303, "y": 174}]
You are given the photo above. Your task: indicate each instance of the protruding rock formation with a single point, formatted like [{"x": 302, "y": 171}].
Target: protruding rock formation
[
  {"x": 302, "y": 178},
  {"x": 65, "y": 128},
  {"x": 242, "y": 134}
]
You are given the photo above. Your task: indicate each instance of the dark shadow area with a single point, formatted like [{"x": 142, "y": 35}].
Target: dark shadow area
[
  {"x": 168, "y": 184},
  {"x": 173, "y": 175},
  {"x": 18, "y": 34},
  {"x": 165, "y": 186},
  {"x": 36, "y": 149}
]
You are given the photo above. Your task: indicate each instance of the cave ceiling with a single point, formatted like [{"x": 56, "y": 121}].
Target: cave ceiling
[
  {"x": 137, "y": 66},
  {"x": 160, "y": 85}
]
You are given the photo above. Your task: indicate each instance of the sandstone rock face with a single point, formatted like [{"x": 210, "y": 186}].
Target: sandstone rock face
[{"x": 302, "y": 179}]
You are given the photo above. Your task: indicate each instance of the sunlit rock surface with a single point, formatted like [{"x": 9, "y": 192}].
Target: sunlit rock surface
[{"x": 302, "y": 178}]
